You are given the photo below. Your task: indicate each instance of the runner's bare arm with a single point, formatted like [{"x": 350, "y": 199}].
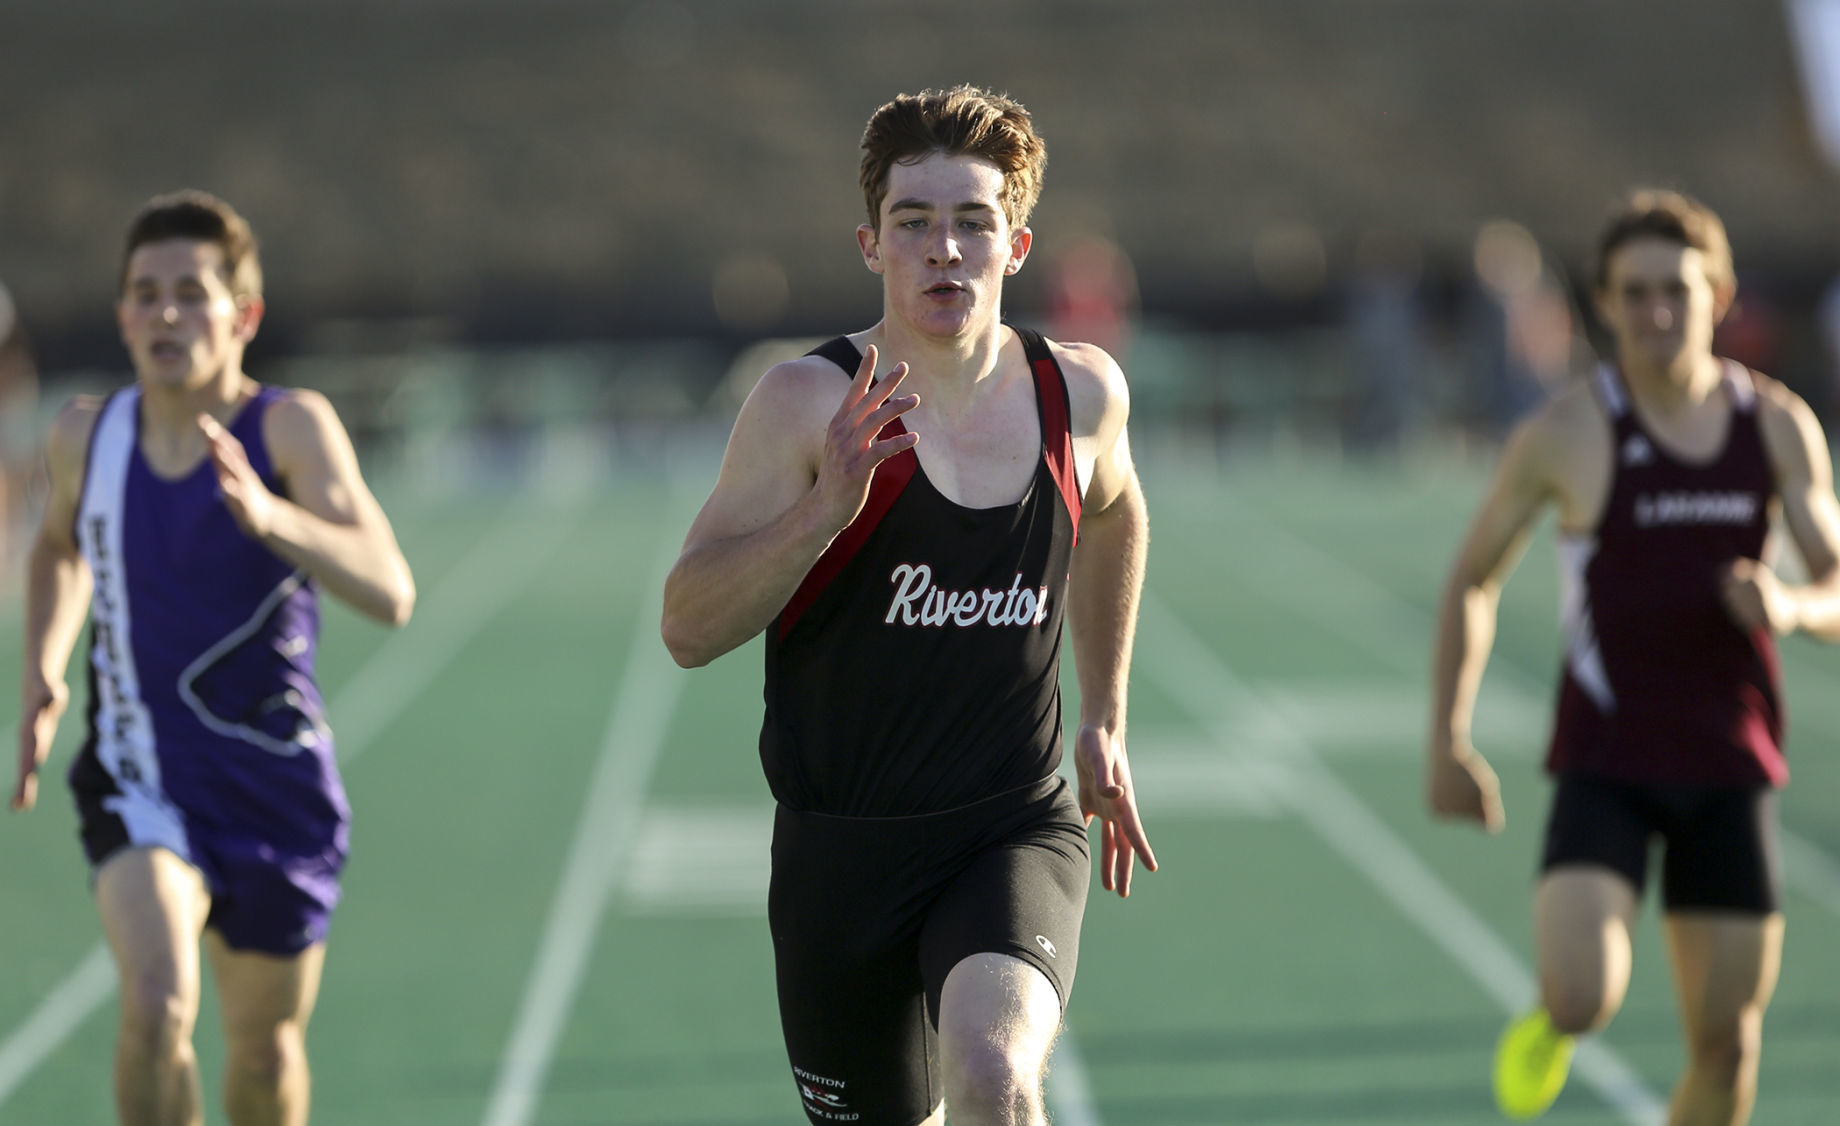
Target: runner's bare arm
[
  {"x": 789, "y": 484},
  {"x": 57, "y": 595},
  {"x": 1754, "y": 594},
  {"x": 1460, "y": 782},
  {"x": 1102, "y": 600},
  {"x": 327, "y": 524}
]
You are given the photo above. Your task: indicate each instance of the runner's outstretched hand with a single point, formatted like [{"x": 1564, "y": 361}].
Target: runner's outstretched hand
[
  {"x": 250, "y": 503},
  {"x": 1106, "y": 792},
  {"x": 1755, "y": 598},
  {"x": 42, "y": 705},
  {"x": 1464, "y": 787}
]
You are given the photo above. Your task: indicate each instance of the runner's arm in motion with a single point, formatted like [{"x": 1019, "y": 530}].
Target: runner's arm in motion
[
  {"x": 1107, "y": 583},
  {"x": 1754, "y": 595},
  {"x": 779, "y": 502},
  {"x": 1461, "y": 783},
  {"x": 328, "y": 524},
  {"x": 57, "y": 596}
]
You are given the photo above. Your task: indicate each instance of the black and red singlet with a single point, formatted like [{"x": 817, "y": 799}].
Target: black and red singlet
[{"x": 917, "y": 667}]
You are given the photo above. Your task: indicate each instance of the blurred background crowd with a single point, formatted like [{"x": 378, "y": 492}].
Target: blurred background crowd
[{"x": 494, "y": 230}]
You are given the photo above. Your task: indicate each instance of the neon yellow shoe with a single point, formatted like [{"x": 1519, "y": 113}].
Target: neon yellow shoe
[{"x": 1531, "y": 1062}]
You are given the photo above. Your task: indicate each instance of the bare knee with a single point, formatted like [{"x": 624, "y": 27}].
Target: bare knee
[
  {"x": 156, "y": 1017},
  {"x": 264, "y": 1055},
  {"x": 1577, "y": 1008},
  {"x": 990, "y": 1082},
  {"x": 1724, "y": 1051},
  {"x": 997, "y": 1020}
]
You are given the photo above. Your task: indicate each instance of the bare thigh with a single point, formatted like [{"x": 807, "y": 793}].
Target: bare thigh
[
  {"x": 1725, "y": 968},
  {"x": 260, "y": 992},
  {"x": 153, "y": 907},
  {"x": 1584, "y": 916}
]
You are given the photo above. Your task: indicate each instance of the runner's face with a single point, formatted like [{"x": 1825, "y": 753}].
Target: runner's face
[
  {"x": 944, "y": 246},
  {"x": 178, "y": 318},
  {"x": 1659, "y": 303}
]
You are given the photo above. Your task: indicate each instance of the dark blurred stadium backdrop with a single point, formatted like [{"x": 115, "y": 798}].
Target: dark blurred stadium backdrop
[{"x": 1292, "y": 173}]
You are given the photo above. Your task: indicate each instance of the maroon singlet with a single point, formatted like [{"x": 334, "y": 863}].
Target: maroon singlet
[{"x": 1660, "y": 685}]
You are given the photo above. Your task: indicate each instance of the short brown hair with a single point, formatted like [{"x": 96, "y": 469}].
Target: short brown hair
[
  {"x": 201, "y": 216},
  {"x": 962, "y": 121},
  {"x": 1659, "y": 213}
]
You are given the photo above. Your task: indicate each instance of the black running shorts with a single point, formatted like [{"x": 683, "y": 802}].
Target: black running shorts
[
  {"x": 869, "y": 915},
  {"x": 1720, "y": 842}
]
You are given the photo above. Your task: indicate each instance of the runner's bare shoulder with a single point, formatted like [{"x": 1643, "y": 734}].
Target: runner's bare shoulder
[{"x": 67, "y": 440}]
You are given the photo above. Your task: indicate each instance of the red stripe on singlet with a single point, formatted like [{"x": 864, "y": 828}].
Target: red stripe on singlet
[
  {"x": 1057, "y": 436},
  {"x": 891, "y": 476}
]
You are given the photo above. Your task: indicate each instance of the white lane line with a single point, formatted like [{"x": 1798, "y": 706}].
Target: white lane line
[
  {"x": 56, "y": 1019},
  {"x": 1215, "y": 697},
  {"x": 396, "y": 671},
  {"x": 701, "y": 860},
  {"x": 1378, "y": 718},
  {"x": 604, "y": 838},
  {"x": 1205, "y": 777},
  {"x": 710, "y": 858},
  {"x": 1808, "y": 868}
]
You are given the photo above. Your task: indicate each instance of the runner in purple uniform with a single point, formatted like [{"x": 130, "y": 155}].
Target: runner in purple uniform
[
  {"x": 1665, "y": 468},
  {"x": 195, "y": 514},
  {"x": 909, "y": 557}
]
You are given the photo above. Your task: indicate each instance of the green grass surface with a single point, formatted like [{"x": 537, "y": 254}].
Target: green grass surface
[{"x": 1261, "y": 977}]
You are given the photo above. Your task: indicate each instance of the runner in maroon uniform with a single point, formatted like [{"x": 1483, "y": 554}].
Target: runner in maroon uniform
[
  {"x": 909, "y": 557},
  {"x": 1665, "y": 469}
]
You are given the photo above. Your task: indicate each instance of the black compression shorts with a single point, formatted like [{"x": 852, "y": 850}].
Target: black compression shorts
[
  {"x": 869, "y": 915},
  {"x": 1720, "y": 842}
]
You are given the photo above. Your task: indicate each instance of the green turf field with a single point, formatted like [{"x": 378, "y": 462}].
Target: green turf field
[{"x": 555, "y": 908}]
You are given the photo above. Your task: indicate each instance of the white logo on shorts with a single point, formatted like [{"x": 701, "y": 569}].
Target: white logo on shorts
[
  {"x": 822, "y": 1103},
  {"x": 1041, "y": 940},
  {"x": 822, "y": 1097}
]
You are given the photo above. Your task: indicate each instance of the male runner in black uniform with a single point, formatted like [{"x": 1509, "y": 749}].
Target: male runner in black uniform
[{"x": 909, "y": 557}]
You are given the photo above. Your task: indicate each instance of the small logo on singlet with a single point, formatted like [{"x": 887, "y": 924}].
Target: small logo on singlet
[
  {"x": 917, "y": 601},
  {"x": 1638, "y": 451},
  {"x": 1042, "y": 941},
  {"x": 1674, "y": 509}
]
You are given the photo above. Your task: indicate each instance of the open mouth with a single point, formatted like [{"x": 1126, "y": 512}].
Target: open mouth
[{"x": 166, "y": 350}]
